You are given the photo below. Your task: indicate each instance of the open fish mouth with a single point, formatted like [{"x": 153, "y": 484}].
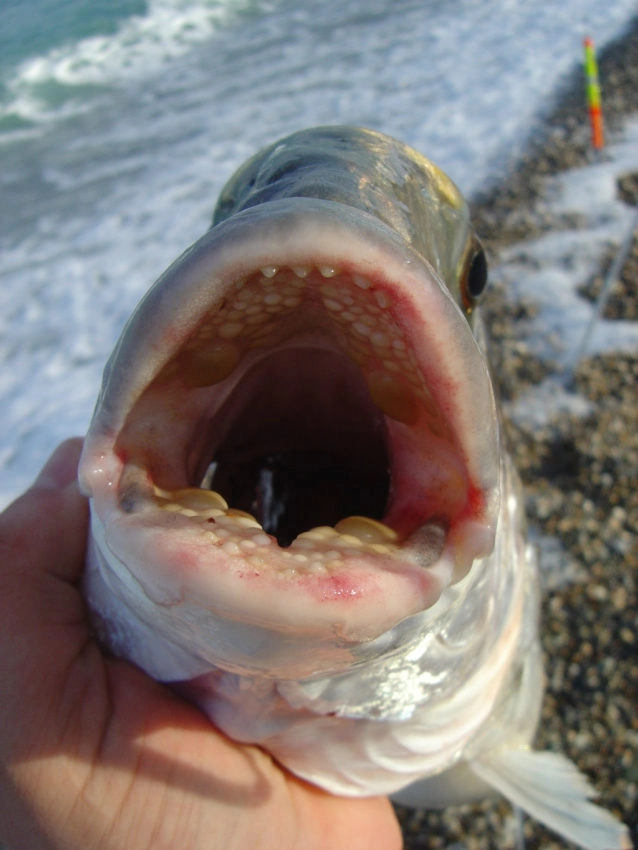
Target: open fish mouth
[{"x": 296, "y": 430}]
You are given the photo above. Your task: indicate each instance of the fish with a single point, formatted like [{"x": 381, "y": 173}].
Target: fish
[{"x": 304, "y": 516}]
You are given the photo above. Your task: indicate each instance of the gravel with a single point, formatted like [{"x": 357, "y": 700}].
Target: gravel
[{"x": 581, "y": 478}]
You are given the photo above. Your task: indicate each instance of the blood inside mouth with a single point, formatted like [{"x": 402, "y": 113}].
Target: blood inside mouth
[{"x": 296, "y": 414}]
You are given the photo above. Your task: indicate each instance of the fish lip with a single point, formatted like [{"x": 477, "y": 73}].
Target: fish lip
[{"x": 276, "y": 233}]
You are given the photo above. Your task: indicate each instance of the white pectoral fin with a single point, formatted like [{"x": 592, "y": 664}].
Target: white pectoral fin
[{"x": 553, "y": 791}]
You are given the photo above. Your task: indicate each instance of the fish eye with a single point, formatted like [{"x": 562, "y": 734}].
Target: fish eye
[{"x": 475, "y": 278}]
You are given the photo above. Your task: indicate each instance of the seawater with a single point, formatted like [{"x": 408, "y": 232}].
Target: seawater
[{"x": 34, "y": 31}]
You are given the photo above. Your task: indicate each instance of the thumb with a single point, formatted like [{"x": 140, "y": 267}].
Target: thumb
[
  {"x": 44, "y": 530},
  {"x": 61, "y": 468},
  {"x": 42, "y": 616}
]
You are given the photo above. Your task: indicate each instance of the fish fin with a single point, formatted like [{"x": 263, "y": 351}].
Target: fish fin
[{"x": 553, "y": 791}]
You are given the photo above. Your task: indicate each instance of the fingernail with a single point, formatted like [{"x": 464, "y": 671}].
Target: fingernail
[{"x": 61, "y": 468}]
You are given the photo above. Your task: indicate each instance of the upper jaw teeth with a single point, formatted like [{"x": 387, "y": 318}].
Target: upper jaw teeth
[{"x": 274, "y": 306}]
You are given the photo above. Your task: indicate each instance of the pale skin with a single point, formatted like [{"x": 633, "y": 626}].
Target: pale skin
[{"x": 94, "y": 755}]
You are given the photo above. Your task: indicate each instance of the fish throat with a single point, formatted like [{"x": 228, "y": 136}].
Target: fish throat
[{"x": 307, "y": 446}]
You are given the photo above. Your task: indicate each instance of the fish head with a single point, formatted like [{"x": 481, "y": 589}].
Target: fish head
[{"x": 295, "y": 448}]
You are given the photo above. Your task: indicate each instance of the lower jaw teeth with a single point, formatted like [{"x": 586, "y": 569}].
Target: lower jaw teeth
[
  {"x": 366, "y": 530},
  {"x": 206, "y": 505},
  {"x": 195, "y": 499}
]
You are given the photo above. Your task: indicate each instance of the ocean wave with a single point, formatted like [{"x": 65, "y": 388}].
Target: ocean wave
[{"x": 64, "y": 80}]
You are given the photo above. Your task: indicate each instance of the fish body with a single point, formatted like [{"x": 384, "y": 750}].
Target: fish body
[{"x": 303, "y": 514}]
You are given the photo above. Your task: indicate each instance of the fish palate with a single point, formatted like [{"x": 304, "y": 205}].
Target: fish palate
[{"x": 302, "y": 511}]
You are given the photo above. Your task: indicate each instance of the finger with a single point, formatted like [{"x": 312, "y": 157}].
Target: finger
[
  {"x": 61, "y": 468},
  {"x": 347, "y": 822},
  {"x": 42, "y": 547},
  {"x": 44, "y": 530},
  {"x": 42, "y": 615}
]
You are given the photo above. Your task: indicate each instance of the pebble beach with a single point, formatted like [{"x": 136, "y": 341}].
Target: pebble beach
[{"x": 580, "y": 472}]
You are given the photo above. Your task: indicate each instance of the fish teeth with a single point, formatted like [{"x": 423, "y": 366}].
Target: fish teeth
[
  {"x": 250, "y": 314},
  {"x": 229, "y": 330},
  {"x": 262, "y": 539},
  {"x": 382, "y": 298},
  {"x": 332, "y": 305},
  {"x": 361, "y": 282},
  {"x": 379, "y": 339},
  {"x": 326, "y": 543},
  {"x": 197, "y": 499},
  {"x": 243, "y": 515},
  {"x": 366, "y": 530},
  {"x": 320, "y": 533}
]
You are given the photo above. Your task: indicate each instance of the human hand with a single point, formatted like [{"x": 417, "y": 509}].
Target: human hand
[{"x": 95, "y": 755}]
